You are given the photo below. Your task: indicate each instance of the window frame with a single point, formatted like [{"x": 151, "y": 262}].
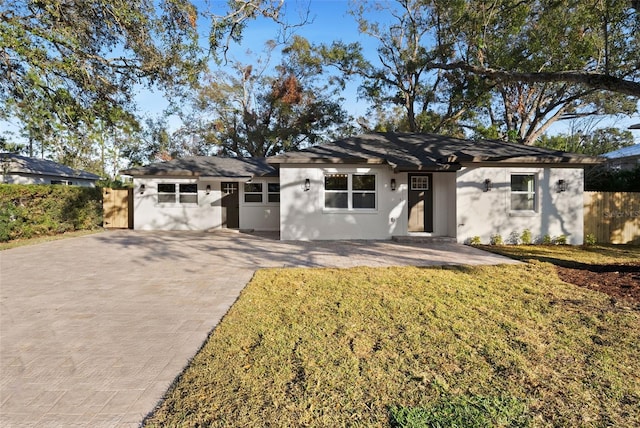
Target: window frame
[
  {"x": 533, "y": 192},
  {"x": 350, "y": 192},
  {"x": 180, "y": 197},
  {"x": 275, "y": 194},
  {"x": 246, "y": 193}
]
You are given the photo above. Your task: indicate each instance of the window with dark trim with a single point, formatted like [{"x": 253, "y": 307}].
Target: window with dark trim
[
  {"x": 273, "y": 192},
  {"x": 350, "y": 191},
  {"x": 253, "y": 192},
  {"x": 171, "y": 193}
]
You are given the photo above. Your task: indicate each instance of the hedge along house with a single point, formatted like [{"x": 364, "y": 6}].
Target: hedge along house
[
  {"x": 17, "y": 169},
  {"x": 206, "y": 192},
  {"x": 374, "y": 186}
]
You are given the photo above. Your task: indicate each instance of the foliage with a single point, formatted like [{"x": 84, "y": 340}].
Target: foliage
[
  {"x": 603, "y": 178},
  {"x": 600, "y": 141},
  {"x": 526, "y": 237},
  {"x": 546, "y": 240},
  {"x": 464, "y": 411},
  {"x": 507, "y": 69},
  {"x": 252, "y": 113},
  {"x": 33, "y": 210},
  {"x": 496, "y": 239},
  {"x": 71, "y": 68},
  {"x": 475, "y": 241},
  {"x": 340, "y": 347},
  {"x": 560, "y": 240},
  {"x": 590, "y": 240}
]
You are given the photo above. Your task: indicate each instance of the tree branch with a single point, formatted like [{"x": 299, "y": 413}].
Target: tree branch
[{"x": 593, "y": 80}]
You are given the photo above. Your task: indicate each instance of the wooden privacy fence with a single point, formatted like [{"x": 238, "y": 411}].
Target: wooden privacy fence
[
  {"x": 612, "y": 217},
  {"x": 117, "y": 208}
]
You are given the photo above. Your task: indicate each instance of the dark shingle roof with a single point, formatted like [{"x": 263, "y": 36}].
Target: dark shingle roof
[
  {"x": 407, "y": 152},
  {"x": 207, "y": 166},
  {"x": 13, "y": 163}
]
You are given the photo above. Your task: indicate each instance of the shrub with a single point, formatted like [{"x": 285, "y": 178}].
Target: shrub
[
  {"x": 560, "y": 240},
  {"x": 496, "y": 239},
  {"x": 514, "y": 238},
  {"x": 546, "y": 240},
  {"x": 590, "y": 239},
  {"x": 33, "y": 210},
  {"x": 475, "y": 241},
  {"x": 526, "y": 237}
]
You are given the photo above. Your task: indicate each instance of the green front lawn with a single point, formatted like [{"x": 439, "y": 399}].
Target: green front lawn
[{"x": 483, "y": 346}]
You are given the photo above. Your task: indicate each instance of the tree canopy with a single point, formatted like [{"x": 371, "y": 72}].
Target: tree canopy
[{"x": 503, "y": 68}]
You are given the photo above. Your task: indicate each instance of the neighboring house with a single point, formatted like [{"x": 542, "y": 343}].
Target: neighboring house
[
  {"x": 626, "y": 158},
  {"x": 374, "y": 186},
  {"x": 17, "y": 169}
]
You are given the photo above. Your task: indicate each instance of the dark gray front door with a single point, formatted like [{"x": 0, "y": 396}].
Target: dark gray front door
[
  {"x": 230, "y": 205},
  {"x": 420, "y": 203}
]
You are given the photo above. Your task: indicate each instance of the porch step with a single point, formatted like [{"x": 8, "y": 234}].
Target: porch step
[{"x": 421, "y": 239}]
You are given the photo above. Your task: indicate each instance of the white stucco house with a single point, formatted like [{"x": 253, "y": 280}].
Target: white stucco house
[
  {"x": 18, "y": 169},
  {"x": 373, "y": 186}
]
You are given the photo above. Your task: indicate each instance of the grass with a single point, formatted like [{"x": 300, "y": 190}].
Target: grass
[
  {"x": 458, "y": 346},
  {"x": 568, "y": 255},
  {"x": 40, "y": 239}
]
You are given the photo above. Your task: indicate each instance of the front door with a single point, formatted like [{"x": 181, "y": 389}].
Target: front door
[
  {"x": 230, "y": 205},
  {"x": 420, "y": 203}
]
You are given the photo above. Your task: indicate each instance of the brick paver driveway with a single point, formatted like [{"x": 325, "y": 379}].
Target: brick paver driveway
[{"x": 93, "y": 330}]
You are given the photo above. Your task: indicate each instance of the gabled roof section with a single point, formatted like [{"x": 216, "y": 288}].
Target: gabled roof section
[
  {"x": 13, "y": 163},
  {"x": 428, "y": 152},
  {"x": 207, "y": 166}
]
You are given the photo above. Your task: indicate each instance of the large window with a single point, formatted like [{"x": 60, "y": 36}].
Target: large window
[
  {"x": 171, "y": 193},
  {"x": 253, "y": 192},
  {"x": 350, "y": 191},
  {"x": 523, "y": 192}
]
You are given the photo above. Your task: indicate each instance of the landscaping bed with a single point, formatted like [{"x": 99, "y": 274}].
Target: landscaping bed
[{"x": 613, "y": 270}]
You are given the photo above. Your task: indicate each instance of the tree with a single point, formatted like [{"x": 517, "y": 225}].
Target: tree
[
  {"x": 495, "y": 66},
  {"x": 252, "y": 113},
  {"x": 600, "y": 141},
  {"x": 68, "y": 63}
]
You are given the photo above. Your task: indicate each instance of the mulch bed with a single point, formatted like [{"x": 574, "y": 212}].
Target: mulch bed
[{"x": 621, "y": 282}]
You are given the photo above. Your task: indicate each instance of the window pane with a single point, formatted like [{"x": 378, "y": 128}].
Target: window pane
[
  {"x": 364, "y": 182},
  {"x": 166, "y": 188},
  {"x": 273, "y": 187},
  {"x": 522, "y": 202},
  {"x": 189, "y": 188},
  {"x": 522, "y": 183},
  {"x": 274, "y": 197},
  {"x": 253, "y": 187},
  {"x": 188, "y": 198},
  {"x": 364, "y": 200},
  {"x": 164, "y": 198},
  {"x": 335, "y": 182},
  {"x": 253, "y": 197},
  {"x": 336, "y": 200},
  {"x": 420, "y": 182}
]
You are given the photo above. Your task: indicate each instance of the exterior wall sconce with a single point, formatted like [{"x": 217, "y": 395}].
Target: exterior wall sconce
[
  {"x": 142, "y": 188},
  {"x": 393, "y": 184},
  {"x": 488, "y": 185},
  {"x": 208, "y": 189},
  {"x": 307, "y": 184},
  {"x": 562, "y": 186}
]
